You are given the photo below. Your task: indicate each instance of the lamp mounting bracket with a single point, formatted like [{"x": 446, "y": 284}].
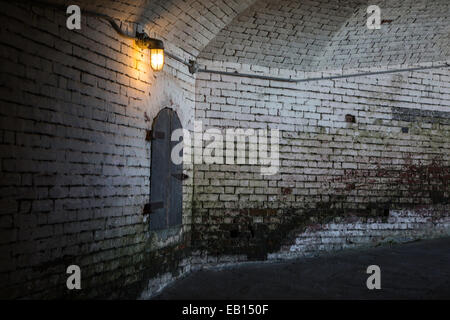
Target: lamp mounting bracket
[
  {"x": 193, "y": 66},
  {"x": 145, "y": 42}
]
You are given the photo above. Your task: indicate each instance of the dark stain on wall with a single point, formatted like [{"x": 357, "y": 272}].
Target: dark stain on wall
[
  {"x": 412, "y": 185},
  {"x": 413, "y": 115}
]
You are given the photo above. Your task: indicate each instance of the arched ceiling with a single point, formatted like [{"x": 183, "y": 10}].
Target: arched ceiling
[
  {"x": 419, "y": 31},
  {"x": 314, "y": 35},
  {"x": 305, "y": 35},
  {"x": 187, "y": 24}
]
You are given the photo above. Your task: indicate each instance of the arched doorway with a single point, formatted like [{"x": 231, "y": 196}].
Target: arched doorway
[{"x": 166, "y": 186}]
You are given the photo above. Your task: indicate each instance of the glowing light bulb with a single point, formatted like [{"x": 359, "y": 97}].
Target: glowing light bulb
[{"x": 157, "y": 59}]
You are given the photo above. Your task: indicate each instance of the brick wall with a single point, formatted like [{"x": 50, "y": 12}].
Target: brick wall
[
  {"x": 186, "y": 26},
  {"x": 401, "y": 39},
  {"x": 75, "y": 165},
  {"x": 395, "y": 155},
  {"x": 322, "y": 34},
  {"x": 399, "y": 226}
]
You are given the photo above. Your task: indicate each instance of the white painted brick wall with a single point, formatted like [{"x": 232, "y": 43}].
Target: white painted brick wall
[
  {"x": 75, "y": 165},
  {"x": 350, "y": 233},
  {"x": 323, "y": 158},
  {"x": 322, "y": 35}
]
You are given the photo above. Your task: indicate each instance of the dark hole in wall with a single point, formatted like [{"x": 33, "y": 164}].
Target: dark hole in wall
[{"x": 350, "y": 118}]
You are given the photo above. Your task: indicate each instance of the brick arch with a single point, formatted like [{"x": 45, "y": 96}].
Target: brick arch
[
  {"x": 322, "y": 34},
  {"x": 188, "y": 25},
  {"x": 412, "y": 31}
]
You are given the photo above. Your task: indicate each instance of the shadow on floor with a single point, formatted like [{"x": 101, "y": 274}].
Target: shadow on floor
[{"x": 418, "y": 270}]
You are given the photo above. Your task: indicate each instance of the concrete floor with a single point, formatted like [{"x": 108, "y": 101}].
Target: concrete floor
[{"x": 418, "y": 270}]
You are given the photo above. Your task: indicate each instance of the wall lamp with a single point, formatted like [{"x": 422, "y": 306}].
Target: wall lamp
[{"x": 156, "y": 48}]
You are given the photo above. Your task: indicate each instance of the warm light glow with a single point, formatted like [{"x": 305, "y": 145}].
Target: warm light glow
[{"x": 157, "y": 59}]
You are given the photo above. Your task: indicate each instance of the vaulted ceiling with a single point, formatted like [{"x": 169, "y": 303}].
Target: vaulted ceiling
[
  {"x": 292, "y": 34},
  {"x": 187, "y": 24},
  {"x": 329, "y": 34}
]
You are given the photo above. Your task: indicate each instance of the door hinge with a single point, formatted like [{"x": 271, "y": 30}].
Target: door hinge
[
  {"x": 180, "y": 176},
  {"x": 152, "y": 206},
  {"x": 151, "y": 135}
]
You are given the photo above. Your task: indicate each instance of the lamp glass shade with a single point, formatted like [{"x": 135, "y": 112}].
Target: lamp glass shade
[{"x": 157, "y": 59}]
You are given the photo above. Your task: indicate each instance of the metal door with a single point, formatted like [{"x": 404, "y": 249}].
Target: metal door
[{"x": 166, "y": 178}]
